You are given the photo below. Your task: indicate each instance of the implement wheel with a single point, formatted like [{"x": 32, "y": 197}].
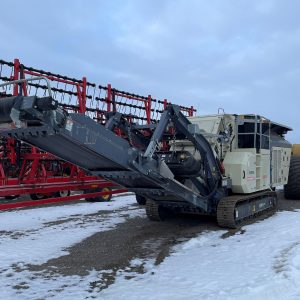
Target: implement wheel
[
  {"x": 292, "y": 188},
  {"x": 104, "y": 198},
  {"x": 12, "y": 197},
  {"x": 39, "y": 196},
  {"x": 64, "y": 193}
]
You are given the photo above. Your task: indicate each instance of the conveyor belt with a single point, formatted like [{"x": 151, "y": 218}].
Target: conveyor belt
[
  {"x": 78, "y": 139},
  {"x": 101, "y": 152}
]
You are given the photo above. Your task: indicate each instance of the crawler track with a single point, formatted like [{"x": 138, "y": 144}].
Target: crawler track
[
  {"x": 156, "y": 212},
  {"x": 235, "y": 211}
]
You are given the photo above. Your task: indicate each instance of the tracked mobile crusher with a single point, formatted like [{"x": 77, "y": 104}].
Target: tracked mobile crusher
[{"x": 224, "y": 165}]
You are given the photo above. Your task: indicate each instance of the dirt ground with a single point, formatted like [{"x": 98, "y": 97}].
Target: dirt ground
[{"x": 136, "y": 238}]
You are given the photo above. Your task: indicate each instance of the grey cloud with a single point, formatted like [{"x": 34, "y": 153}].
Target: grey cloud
[{"x": 239, "y": 55}]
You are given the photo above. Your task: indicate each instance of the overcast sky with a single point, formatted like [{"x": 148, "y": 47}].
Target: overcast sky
[{"x": 243, "y": 56}]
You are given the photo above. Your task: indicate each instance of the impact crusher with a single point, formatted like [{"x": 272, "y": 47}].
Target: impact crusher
[{"x": 224, "y": 165}]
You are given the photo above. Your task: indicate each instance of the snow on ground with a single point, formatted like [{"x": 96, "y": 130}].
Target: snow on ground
[
  {"x": 37, "y": 235},
  {"x": 260, "y": 262},
  {"x": 33, "y": 236}
]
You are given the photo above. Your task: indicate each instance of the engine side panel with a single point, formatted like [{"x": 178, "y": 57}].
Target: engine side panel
[
  {"x": 240, "y": 167},
  {"x": 280, "y": 163}
]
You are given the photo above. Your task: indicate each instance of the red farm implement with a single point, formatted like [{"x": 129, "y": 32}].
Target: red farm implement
[{"x": 25, "y": 170}]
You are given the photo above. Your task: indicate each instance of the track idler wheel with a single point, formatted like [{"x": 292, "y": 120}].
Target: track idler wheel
[
  {"x": 156, "y": 212},
  {"x": 141, "y": 200}
]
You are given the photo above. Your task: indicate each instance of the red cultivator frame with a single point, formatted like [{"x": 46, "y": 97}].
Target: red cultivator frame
[{"x": 27, "y": 170}]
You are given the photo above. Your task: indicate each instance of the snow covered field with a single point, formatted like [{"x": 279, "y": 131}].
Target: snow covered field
[{"x": 262, "y": 261}]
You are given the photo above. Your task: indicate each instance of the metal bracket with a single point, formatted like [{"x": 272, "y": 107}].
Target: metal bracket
[{"x": 28, "y": 80}]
